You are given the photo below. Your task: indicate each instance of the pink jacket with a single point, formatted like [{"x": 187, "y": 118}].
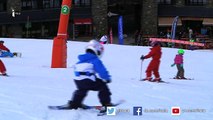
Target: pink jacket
[{"x": 178, "y": 59}]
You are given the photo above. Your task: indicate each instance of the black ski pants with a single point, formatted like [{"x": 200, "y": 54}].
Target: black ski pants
[{"x": 83, "y": 86}]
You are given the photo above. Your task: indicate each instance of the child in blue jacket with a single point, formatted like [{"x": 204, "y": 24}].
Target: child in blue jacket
[{"x": 86, "y": 71}]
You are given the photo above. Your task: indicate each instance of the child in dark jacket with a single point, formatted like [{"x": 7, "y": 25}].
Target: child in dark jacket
[{"x": 178, "y": 61}]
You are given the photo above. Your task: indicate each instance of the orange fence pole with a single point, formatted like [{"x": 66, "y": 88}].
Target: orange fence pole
[{"x": 59, "y": 50}]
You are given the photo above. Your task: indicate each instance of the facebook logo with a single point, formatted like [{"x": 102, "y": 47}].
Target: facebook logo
[
  {"x": 111, "y": 110},
  {"x": 137, "y": 111}
]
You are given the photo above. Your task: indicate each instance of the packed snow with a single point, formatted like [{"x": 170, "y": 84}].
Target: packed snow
[{"x": 33, "y": 84}]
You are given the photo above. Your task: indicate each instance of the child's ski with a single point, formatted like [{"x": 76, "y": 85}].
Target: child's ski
[
  {"x": 161, "y": 81},
  {"x": 85, "y": 107},
  {"x": 183, "y": 79},
  {"x": 4, "y": 75}
]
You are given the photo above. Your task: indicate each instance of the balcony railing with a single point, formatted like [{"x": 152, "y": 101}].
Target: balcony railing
[{"x": 189, "y": 11}]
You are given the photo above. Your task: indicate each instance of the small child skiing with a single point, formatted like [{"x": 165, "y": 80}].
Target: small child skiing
[
  {"x": 2, "y": 69},
  {"x": 4, "y": 51},
  {"x": 178, "y": 61},
  {"x": 155, "y": 53},
  {"x": 86, "y": 79}
]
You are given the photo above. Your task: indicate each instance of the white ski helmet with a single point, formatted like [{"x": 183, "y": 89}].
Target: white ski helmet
[{"x": 96, "y": 47}]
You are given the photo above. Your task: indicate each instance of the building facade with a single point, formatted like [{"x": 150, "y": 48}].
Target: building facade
[
  {"x": 39, "y": 18},
  {"x": 193, "y": 14}
]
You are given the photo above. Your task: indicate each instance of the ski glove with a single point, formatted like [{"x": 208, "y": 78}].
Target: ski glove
[
  {"x": 108, "y": 81},
  {"x": 181, "y": 65},
  {"x": 142, "y": 57},
  {"x": 172, "y": 65}
]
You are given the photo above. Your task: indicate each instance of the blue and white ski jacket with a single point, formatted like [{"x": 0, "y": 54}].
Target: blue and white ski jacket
[{"x": 88, "y": 66}]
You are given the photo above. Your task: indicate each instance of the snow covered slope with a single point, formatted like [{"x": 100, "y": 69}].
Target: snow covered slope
[{"x": 33, "y": 85}]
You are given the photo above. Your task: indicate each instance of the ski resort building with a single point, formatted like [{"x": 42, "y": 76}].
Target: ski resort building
[{"x": 92, "y": 18}]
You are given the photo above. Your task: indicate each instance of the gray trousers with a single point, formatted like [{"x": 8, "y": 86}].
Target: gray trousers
[{"x": 180, "y": 73}]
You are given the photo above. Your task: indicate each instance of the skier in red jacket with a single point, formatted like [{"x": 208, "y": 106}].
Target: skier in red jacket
[
  {"x": 4, "y": 51},
  {"x": 3, "y": 47},
  {"x": 2, "y": 69},
  {"x": 155, "y": 53}
]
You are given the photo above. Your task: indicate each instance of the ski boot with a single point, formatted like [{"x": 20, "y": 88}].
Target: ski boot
[
  {"x": 147, "y": 79},
  {"x": 156, "y": 80},
  {"x": 176, "y": 77},
  {"x": 183, "y": 78},
  {"x": 71, "y": 105},
  {"x": 179, "y": 78},
  {"x": 15, "y": 54},
  {"x": 4, "y": 74},
  {"x": 104, "y": 108}
]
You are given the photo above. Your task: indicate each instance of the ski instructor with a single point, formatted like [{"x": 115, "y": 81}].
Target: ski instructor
[
  {"x": 2, "y": 69},
  {"x": 155, "y": 53}
]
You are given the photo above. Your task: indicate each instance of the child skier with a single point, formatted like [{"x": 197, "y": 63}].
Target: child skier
[
  {"x": 85, "y": 76},
  {"x": 4, "y": 51},
  {"x": 178, "y": 61},
  {"x": 2, "y": 69},
  {"x": 155, "y": 53}
]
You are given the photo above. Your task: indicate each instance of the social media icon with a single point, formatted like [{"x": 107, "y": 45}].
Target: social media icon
[
  {"x": 111, "y": 110},
  {"x": 137, "y": 111},
  {"x": 175, "y": 111}
]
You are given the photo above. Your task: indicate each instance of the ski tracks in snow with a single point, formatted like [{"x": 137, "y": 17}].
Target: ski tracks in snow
[
  {"x": 78, "y": 114},
  {"x": 16, "y": 114},
  {"x": 62, "y": 115}
]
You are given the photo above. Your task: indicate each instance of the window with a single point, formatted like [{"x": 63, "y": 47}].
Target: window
[
  {"x": 51, "y": 3},
  {"x": 86, "y": 2},
  {"x": 2, "y": 6},
  {"x": 196, "y": 2},
  {"x": 40, "y": 4},
  {"x": 82, "y": 2},
  {"x": 34, "y": 4},
  {"x": 77, "y": 2},
  {"x": 57, "y": 3},
  {"x": 163, "y": 2},
  {"x": 46, "y": 3},
  {"x": 26, "y": 4}
]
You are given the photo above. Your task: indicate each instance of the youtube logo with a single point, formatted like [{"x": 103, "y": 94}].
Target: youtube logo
[{"x": 175, "y": 110}]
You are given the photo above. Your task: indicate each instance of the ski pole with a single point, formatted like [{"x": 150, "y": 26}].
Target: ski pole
[{"x": 141, "y": 69}]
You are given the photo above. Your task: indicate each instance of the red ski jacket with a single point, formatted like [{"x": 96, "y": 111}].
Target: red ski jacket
[
  {"x": 2, "y": 47},
  {"x": 153, "y": 66},
  {"x": 2, "y": 67},
  {"x": 155, "y": 53}
]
